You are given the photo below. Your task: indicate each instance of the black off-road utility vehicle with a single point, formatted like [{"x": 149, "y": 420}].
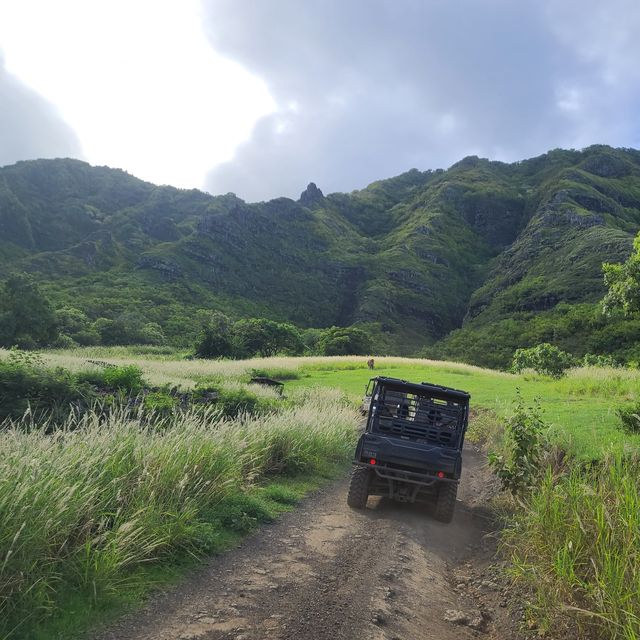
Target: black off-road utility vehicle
[{"x": 411, "y": 449}]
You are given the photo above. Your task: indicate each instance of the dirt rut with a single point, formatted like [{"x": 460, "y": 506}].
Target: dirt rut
[{"x": 325, "y": 571}]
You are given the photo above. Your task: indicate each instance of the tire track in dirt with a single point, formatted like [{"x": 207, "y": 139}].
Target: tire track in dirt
[{"x": 324, "y": 571}]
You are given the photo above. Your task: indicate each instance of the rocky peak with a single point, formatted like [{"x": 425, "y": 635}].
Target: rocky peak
[{"x": 311, "y": 195}]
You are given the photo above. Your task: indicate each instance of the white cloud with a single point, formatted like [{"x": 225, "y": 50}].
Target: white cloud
[{"x": 137, "y": 81}]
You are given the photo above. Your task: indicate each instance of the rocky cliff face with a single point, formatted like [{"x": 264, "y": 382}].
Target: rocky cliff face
[{"x": 311, "y": 196}]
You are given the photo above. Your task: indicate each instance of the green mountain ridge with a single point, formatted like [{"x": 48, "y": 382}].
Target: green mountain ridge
[{"x": 470, "y": 263}]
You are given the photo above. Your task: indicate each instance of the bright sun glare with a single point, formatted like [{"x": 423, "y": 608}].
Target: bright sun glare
[{"x": 137, "y": 81}]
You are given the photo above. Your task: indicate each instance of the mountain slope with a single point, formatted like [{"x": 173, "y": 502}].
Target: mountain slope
[{"x": 482, "y": 248}]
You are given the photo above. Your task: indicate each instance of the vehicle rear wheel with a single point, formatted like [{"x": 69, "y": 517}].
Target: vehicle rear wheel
[
  {"x": 446, "y": 501},
  {"x": 359, "y": 488}
]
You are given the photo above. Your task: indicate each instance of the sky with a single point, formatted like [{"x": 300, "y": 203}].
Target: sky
[{"x": 261, "y": 97}]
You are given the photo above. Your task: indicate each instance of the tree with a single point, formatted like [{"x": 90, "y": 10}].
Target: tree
[
  {"x": 544, "y": 358},
  {"x": 152, "y": 333},
  {"x": 623, "y": 283},
  {"x": 265, "y": 338},
  {"x": 216, "y": 340},
  {"x": 288, "y": 340},
  {"x": 344, "y": 341},
  {"x": 74, "y": 327},
  {"x": 128, "y": 328},
  {"x": 27, "y": 318}
]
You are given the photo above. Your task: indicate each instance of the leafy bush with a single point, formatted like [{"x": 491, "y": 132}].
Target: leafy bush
[
  {"x": 126, "y": 378},
  {"x": 160, "y": 402},
  {"x": 545, "y": 358},
  {"x": 233, "y": 401},
  {"x": 629, "y": 418},
  {"x": 280, "y": 493},
  {"x": 241, "y": 513},
  {"x": 598, "y": 360},
  {"x": 26, "y": 385},
  {"x": 518, "y": 465},
  {"x": 128, "y": 328},
  {"x": 63, "y": 342},
  {"x": 277, "y": 373}
]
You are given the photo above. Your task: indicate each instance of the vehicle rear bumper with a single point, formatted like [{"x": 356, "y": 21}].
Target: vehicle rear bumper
[
  {"x": 412, "y": 477},
  {"x": 404, "y": 458}
]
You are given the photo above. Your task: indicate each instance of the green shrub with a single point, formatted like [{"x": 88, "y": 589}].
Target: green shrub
[
  {"x": 629, "y": 418},
  {"x": 599, "y": 360},
  {"x": 276, "y": 373},
  {"x": 544, "y": 358},
  {"x": 63, "y": 342},
  {"x": 241, "y": 513},
  {"x": 26, "y": 385},
  {"x": 126, "y": 378},
  {"x": 87, "y": 338},
  {"x": 93, "y": 376},
  {"x": 236, "y": 400},
  {"x": 160, "y": 402},
  {"x": 518, "y": 464},
  {"x": 281, "y": 494}
]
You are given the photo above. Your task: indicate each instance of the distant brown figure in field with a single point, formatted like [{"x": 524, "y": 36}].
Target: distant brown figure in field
[{"x": 370, "y": 363}]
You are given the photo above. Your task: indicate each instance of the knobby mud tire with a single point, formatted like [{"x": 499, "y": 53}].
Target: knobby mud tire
[
  {"x": 359, "y": 488},
  {"x": 446, "y": 501}
]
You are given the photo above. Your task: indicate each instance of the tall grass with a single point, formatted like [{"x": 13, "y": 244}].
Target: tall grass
[
  {"x": 84, "y": 509},
  {"x": 601, "y": 382},
  {"x": 577, "y": 544},
  {"x": 581, "y": 408}
]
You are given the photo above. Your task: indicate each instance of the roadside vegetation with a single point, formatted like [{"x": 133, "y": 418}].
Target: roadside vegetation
[
  {"x": 574, "y": 545},
  {"x": 572, "y": 532},
  {"x": 580, "y": 407},
  {"x": 100, "y": 505},
  {"x": 128, "y": 495}
]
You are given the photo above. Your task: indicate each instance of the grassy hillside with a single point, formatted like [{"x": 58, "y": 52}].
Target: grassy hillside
[{"x": 502, "y": 255}]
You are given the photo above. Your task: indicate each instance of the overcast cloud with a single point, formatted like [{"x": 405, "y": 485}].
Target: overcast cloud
[
  {"x": 30, "y": 127},
  {"x": 358, "y": 90},
  {"x": 366, "y": 89}
]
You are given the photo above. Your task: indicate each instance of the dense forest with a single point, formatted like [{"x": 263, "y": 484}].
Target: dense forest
[{"x": 470, "y": 263}]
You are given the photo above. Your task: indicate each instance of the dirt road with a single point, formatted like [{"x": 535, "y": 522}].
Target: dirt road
[{"x": 327, "y": 572}]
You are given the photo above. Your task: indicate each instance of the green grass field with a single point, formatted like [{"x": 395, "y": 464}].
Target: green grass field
[{"x": 579, "y": 408}]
